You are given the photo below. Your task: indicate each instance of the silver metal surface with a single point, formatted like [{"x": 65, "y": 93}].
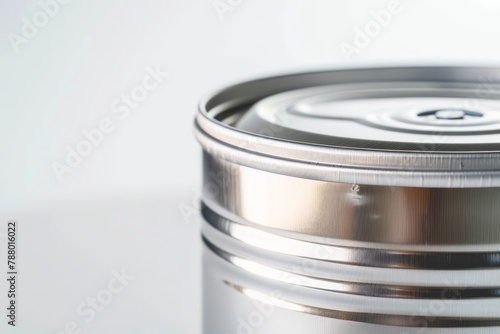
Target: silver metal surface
[
  {"x": 415, "y": 218},
  {"x": 354, "y": 201}
]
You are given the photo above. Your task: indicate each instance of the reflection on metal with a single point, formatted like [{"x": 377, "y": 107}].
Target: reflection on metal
[
  {"x": 390, "y": 217},
  {"x": 354, "y": 256},
  {"x": 365, "y": 289},
  {"x": 372, "y": 318}
]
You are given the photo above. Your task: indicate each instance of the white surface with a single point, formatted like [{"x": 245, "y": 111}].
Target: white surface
[{"x": 121, "y": 206}]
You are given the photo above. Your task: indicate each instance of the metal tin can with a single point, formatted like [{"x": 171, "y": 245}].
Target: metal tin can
[{"x": 353, "y": 201}]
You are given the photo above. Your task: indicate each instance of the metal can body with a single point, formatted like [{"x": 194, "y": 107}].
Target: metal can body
[{"x": 356, "y": 201}]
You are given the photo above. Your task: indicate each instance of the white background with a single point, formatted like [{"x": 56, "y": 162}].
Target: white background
[{"x": 122, "y": 206}]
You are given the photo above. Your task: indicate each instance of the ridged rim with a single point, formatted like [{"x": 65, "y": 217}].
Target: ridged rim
[
  {"x": 368, "y": 257},
  {"x": 255, "y": 265}
]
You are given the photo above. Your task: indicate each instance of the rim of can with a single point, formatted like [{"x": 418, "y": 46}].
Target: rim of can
[{"x": 450, "y": 168}]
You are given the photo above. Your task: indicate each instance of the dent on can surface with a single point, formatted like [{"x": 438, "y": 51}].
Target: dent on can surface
[{"x": 353, "y": 201}]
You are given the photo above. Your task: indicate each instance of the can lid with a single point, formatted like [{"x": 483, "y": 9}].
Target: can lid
[
  {"x": 421, "y": 126},
  {"x": 403, "y": 116}
]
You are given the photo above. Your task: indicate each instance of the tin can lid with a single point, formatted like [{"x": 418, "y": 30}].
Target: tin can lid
[{"x": 420, "y": 126}]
